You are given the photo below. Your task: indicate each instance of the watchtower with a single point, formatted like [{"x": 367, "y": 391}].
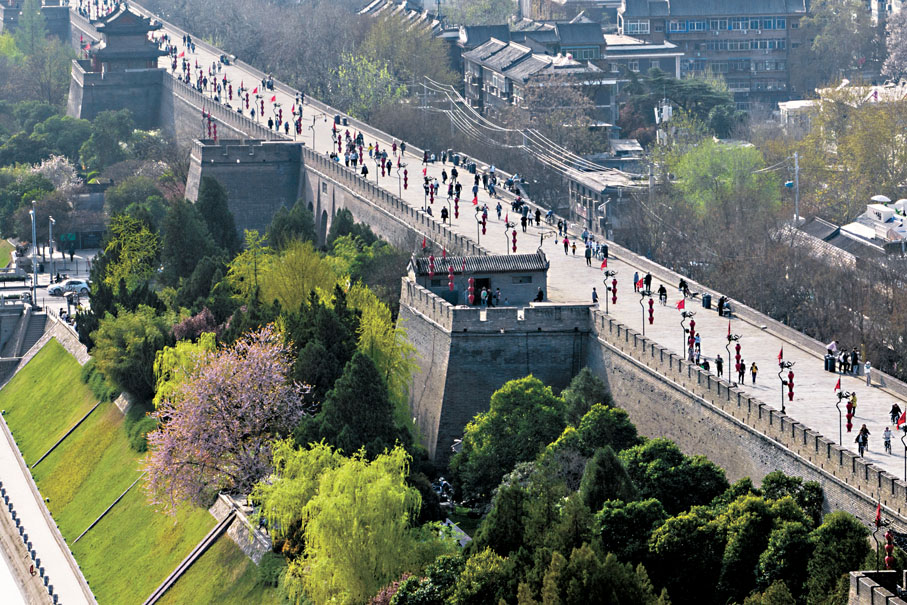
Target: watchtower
[
  {"x": 56, "y": 17},
  {"x": 120, "y": 72}
]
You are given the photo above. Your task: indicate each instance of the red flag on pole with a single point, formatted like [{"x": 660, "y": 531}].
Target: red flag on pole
[
  {"x": 443, "y": 252},
  {"x": 640, "y": 283},
  {"x": 879, "y": 514},
  {"x": 681, "y": 304},
  {"x": 902, "y": 419},
  {"x": 838, "y": 384},
  {"x": 475, "y": 201},
  {"x": 781, "y": 354},
  {"x": 423, "y": 242},
  {"x": 729, "y": 327},
  {"x": 274, "y": 99},
  {"x": 605, "y": 264},
  {"x": 255, "y": 92},
  {"x": 507, "y": 218}
]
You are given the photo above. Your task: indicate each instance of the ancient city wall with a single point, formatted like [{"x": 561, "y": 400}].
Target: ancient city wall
[{"x": 139, "y": 90}]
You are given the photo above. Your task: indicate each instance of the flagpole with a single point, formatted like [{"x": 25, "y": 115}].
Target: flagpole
[{"x": 841, "y": 431}]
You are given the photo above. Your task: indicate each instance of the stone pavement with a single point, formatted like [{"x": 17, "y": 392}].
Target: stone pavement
[
  {"x": 58, "y": 562},
  {"x": 571, "y": 281}
]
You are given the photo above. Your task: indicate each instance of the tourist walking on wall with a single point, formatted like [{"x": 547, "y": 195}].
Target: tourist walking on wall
[
  {"x": 719, "y": 366},
  {"x": 754, "y": 370},
  {"x": 635, "y": 281},
  {"x": 566, "y": 245},
  {"x": 594, "y": 297},
  {"x": 862, "y": 439},
  {"x": 886, "y": 440},
  {"x": 895, "y": 413},
  {"x": 741, "y": 372},
  {"x": 588, "y": 256}
]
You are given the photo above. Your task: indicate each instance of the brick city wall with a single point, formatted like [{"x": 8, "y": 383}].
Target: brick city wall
[
  {"x": 140, "y": 91},
  {"x": 664, "y": 394}
]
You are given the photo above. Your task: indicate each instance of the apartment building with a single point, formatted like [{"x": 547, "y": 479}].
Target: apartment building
[{"x": 747, "y": 42}]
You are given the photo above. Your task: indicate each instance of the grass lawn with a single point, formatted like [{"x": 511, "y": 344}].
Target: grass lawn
[
  {"x": 80, "y": 492},
  {"x": 40, "y": 410},
  {"x": 130, "y": 552},
  {"x": 224, "y": 574},
  {"x": 5, "y": 249}
]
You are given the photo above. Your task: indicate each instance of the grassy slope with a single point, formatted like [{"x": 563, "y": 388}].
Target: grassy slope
[
  {"x": 224, "y": 574},
  {"x": 133, "y": 548},
  {"x": 130, "y": 552},
  {"x": 78, "y": 493},
  {"x": 5, "y": 249},
  {"x": 39, "y": 411}
]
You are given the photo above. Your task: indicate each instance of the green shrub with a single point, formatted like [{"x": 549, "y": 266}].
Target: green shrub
[
  {"x": 270, "y": 569},
  {"x": 99, "y": 385},
  {"x": 138, "y": 432}
]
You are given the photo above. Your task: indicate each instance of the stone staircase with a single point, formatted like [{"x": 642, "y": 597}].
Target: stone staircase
[{"x": 33, "y": 331}]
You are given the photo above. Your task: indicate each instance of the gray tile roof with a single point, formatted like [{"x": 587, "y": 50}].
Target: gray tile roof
[
  {"x": 510, "y": 263},
  {"x": 575, "y": 34},
  {"x": 483, "y": 51},
  {"x": 820, "y": 228},
  {"x": 472, "y": 36},
  {"x": 711, "y": 8}
]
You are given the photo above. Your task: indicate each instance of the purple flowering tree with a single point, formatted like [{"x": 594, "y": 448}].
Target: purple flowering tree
[{"x": 217, "y": 426}]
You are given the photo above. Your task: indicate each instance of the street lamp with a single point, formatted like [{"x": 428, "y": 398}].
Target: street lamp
[
  {"x": 50, "y": 242},
  {"x": 546, "y": 234},
  {"x": 685, "y": 315},
  {"x": 905, "y": 450},
  {"x": 642, "y": 297},
  {"x": 842, "y": 395},
  {"x": 608, "y": 273},
  {"x": 481, "y": 219},
  {"x": 507, "y": 227},
  {"x": 34, "y": 239},
  {"x": 400, "y": 180},
  {"x": 785, "y": 365},
  {"x": 732, "y": 338}
]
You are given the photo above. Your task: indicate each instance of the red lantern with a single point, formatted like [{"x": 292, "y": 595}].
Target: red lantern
[
  {"x": 889, "y": 549},
  {"x": 472, "y": 291},
  {"x": 692, "y": 325},
  {"x": 450, "y": 278},
  {"x": 614, "y": 291},
  {"x": 431, "y": 265},
  {"x": 514, "y": 240},
  {"x": 651, "y": 311},
  {"x": 849, "y": 424},
  {"x": 405, "y": 178},
  {"x": 790, "y": 386},
  {"x": 483, "y": 226},
  {"x": 457, "y": 207}
]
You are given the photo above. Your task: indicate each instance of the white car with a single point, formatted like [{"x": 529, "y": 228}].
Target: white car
[{"x": 70, "y": 285}]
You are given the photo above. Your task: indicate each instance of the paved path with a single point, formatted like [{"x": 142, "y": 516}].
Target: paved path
[
  {"x": 571, "y": 281},
  {"x": 55, "y": 557}
]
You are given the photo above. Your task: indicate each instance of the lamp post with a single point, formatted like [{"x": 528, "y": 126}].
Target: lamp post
[
  {"x": 905, "y": 450},
  {"x": 378, "y": 162},
  {"x": 842, "y": 395},
  {"x": 50, "y": 242},
  {"x": 507, "y": 227},
  {"x": 400, "y": 180},
  {"x": 732, "y": 338},
  {"x": 34, "y": 239},
  {"x": 685, "y": 315},
  {"x": 608, "y": 273},
  {"x": 642, "y": 299},
  {"x": 785, "y": 365}
]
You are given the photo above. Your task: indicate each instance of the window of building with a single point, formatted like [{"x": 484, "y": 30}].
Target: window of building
[
  {"x": 696, "y": 26},
  {"x": 781, "y": 44},
  {"x": 737, "y": 23},
  {"x": 781, "y": 23},
  {"x": 718, "y": 67},
  {"x": 795, "y": 24},
  {"x": 615, "y": 68},
  {"x": 717, "y": 24},
  {"x": 522, "y": 279},
  {"x": 677, "y": 26},
  {"x": 659, "y": 27},
  {"x": 795, "y": 45},
  {"x": 754, "y": 23},
  {"x": 768, "y": 24},
  {"x": 435, "y": 283},
  {"x": 633, "y": 66},
  {"x": 637, "y": 26}
]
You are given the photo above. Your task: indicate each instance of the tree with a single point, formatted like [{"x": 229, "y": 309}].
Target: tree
[
  {"x": 290, "y": 225},
  {"x": 364, "y": 83},
  {"x": 31, "y": 30},
  {"x": 344, "y": 224},
  {"x": 895, "y": 65},
  {"x": 776, "y": 594},
  {"x": 606, "y": 426},
  {"x": 482, "y": 581},
  {"x": 125, "y": 348},
  {"x": 173, "y": 365},
  {"x": 660, "y": 470},
  {"x": 131, "y": 253},
  {"x": 217, "y": 425},
  {"x": 605, "y": 478},
  {"x": 523, "y": 417},
  {"x": 186, "y": 240},
  {"x": 64, "y": 135},
  {"x": 807, "y": 494},
  {"x": 503, "y": 527},
  {"x": 411, "y": 52},
  {"x": 357, "y": 516},
  {"x": 54, "y": 204},
  {"x": 840, "y": 546},
  {"x": 437, "y": 585},
  {"x": 624, "y": 528},
  {"x": 841, "y": 43},
  {"x": 356, "y": 412},
  {"x": 686, "y": 555},
  {"x": 212, "y": 206},
  {"x": 110, "y": 130},
  {"x": 481, "y": 12},
  {"x": 48, "y": 69},
  {"x": 585, "y": 390},
  {"x": 133, "y": 190},
  {"x": 785, "y": 558}
]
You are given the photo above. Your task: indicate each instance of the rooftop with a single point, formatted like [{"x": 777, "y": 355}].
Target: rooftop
[
  {"x": 510, "y": 263},
  {"x": 711, "y": 8}
]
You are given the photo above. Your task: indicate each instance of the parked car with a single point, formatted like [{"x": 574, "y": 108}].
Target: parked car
[{"x": 70, "y": 285}]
